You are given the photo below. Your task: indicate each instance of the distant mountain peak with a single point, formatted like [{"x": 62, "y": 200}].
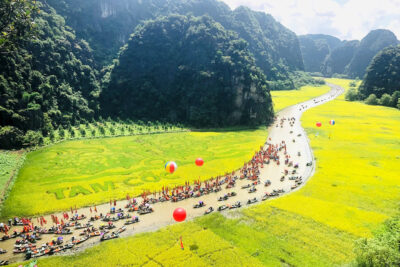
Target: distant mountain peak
[{"x": 329, "y": 55}]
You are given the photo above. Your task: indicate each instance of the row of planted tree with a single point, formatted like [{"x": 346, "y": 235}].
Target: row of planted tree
[{"x": 98, "y": 129}]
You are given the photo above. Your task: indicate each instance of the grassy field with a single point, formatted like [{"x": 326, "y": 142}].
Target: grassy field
[
  {"x": 286, "y": 98},
  {"x": 84, "y": 172},
  {"x": 10, "y": 162},
  {"x": 354, "y": 189}
]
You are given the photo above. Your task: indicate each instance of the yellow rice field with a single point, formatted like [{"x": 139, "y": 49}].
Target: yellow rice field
[
  {"x": 354, "y": 189},
  {"x": 92, "y": 171}
]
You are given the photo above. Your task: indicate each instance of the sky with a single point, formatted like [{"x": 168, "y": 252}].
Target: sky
[{"x": 345, "y": 19}]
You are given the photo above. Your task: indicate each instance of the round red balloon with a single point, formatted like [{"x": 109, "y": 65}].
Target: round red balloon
[
  {"x": 179, "y": 214},
  {"x": 199, "y": 162},
  {"x": 319, "y": 124}
]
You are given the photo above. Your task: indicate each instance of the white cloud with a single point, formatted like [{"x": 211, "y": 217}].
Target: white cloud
[{"x": 346, "y": 19}]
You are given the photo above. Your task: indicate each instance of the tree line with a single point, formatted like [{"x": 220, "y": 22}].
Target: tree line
[
  {"x": 383, "y": 248},
  {"x": 381, "y": 85}
]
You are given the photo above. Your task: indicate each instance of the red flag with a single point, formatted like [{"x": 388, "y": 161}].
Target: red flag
[
  {"x": 181, "y": 243},
  {"x": 110, "y": 202},
  {"x": 115, "y": 202},
  {"x": 72, "y": 212}
]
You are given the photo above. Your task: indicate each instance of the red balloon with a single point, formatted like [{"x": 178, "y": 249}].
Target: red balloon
[
  {"x": 319, "y": 124},
  {"x": 199, "y": 162},
  {"x": 179, "y": 214}
]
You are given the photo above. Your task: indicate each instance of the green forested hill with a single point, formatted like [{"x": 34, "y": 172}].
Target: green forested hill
[
  {"x": 53, "y": 78},
  {"x": 383, "y": 75},
  {"x": 107, "y": 24},
  {"x": 275, "y": 48},
  {"x": 48, "y": 81},
  {"x": 187, "y": 69},
  {"x": 370, "y": 45}
]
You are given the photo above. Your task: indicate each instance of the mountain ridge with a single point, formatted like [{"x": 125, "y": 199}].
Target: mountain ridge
[{"x": 324, "y": 54}]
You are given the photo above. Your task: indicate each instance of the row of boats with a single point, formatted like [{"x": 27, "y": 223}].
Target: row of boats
[{"x": 33, "y": 251}]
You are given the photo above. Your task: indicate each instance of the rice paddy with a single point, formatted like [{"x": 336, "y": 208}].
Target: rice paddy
[
  {"x": 10, "y": 162},
  {"x": 355, "y": 188},
  {"x": 84, "y": 172}
]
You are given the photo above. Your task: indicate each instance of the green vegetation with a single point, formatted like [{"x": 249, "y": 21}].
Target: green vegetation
[
  {"x": 278, "y": 56},
  {"x": 383, "y": 77},
  {"x": 92, "y": 171},
  {"x": 193, "y": 70},
  {"x": 16, "y": 22},
  {"x": 108, "y": 25},
  {"x": 297, "y": 80},
  {"x": 10, "y": 162},
  {"x": 47, "y": 82},
  {"x": 383, "y": 248},
  {"x": 370, "y": 45},
  {"x": 381, "y": 83},
  {"x": 110, "y": 128}
]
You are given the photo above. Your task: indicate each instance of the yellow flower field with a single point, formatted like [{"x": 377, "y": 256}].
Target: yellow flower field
[
  {"x": 354, "y": 189},
  {"x": 286, "y": 98}
]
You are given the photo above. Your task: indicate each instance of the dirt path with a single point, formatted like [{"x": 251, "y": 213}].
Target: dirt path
[{"x": 162, "y": 215}]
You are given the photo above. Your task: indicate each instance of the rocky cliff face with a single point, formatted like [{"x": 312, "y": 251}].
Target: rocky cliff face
[
  {"x": 107, "y": 9},
  {"x": 339, "y": 58},
  {"x": 315, "y": 48}
]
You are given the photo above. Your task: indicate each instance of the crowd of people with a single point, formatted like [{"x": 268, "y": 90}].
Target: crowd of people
[{"x": 29, "y": 234}]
